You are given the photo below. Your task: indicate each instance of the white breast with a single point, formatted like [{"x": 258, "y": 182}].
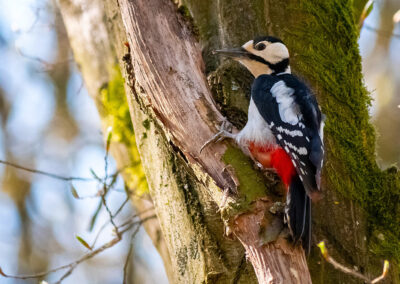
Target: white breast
[{"x": 256, "y": 129}]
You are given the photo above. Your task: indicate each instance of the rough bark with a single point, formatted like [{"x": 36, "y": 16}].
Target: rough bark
[
  {"x": 172, "y": 84},
  {"x": 185, "y": 187}
]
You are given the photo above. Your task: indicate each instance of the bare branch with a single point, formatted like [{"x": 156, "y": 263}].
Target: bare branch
[
  {"x": 381, "y": 32},
  {"x": 71, "y": 266},
  {"x": 120, "y": 226},
  {"x": 129, "y": 255},
  {"x": 105, "y": 186},
  {"x": 48, "y": 65},
  {"x": 65, "y": 178},
  {"x": 350, "y": 271}
]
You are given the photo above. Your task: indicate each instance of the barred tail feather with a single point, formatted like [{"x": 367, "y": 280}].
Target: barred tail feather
[{"x": 298, "y": 213}]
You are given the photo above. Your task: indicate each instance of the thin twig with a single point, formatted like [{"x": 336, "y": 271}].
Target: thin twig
[
  {"x": 71, "y": 266},
  {"x": 350, "y": 271},
  {"x": 110, "y": 215},
  {"x": 129, "y": 221},
  {"x": 129, "y": 255},
  {"x": 107, "y": 187},
  {"x": 42, "y": 61},
  {"x": 121, "y": 207},
  {"x": 381, "y": 32},
  {"x": 55, "y": 176},
  {"x": 120, "y": 226}
]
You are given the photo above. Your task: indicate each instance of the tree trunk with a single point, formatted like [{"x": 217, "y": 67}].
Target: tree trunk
[{"x": 173, "y": 114}]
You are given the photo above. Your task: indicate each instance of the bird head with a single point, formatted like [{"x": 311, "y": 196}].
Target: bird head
[{"x": 262, "y": 55}]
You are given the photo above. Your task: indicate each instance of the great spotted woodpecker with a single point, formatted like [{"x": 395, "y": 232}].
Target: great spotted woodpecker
[{"x": 284, "y": 130}]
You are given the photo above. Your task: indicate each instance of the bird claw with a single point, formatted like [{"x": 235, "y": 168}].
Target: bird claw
[{"x": 224, "y": 132}]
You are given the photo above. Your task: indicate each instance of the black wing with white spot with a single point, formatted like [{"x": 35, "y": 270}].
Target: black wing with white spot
[{"x": 294, "y": 117}]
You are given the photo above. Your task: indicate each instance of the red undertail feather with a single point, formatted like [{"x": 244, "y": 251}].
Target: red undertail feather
[
  {"x": 283, "y": 165},
  {"x": 277, "y": 158}
]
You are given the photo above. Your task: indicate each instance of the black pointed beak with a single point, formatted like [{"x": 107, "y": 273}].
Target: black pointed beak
[{"x": 233, "y": 52}]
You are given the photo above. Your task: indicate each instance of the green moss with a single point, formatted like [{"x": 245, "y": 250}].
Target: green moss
[
  {"x": 252, "y": 183},
  {"x": 322, "y": 37},
  {"x": 116, "y": 113}
]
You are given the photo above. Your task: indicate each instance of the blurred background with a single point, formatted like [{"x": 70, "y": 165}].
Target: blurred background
[{"x": 49, "y": 122}]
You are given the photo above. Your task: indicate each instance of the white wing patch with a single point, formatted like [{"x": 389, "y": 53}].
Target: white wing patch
[
  {"x": 292, "y": 133},
  {"x": 288, "y": 109},
  {"x": 300, "y": 150},
  {"x": 321, "y": 131}
]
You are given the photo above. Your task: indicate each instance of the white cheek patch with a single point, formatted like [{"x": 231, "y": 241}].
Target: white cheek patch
[
  {"x": 276, "y": 52},
  {"x": 288, "y": 109}
]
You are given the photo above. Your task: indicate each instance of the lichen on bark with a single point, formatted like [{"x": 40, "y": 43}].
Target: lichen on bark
[{"x": 116, "y": 115}]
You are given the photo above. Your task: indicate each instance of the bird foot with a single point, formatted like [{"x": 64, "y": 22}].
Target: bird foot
[{"x": 225, "y": 131}]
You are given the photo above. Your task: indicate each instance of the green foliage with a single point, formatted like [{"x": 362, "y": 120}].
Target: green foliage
[{"x": 116, "y": 113}]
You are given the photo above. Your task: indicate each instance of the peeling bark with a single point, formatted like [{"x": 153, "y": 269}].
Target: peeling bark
[{"x": 276, "y": 262}]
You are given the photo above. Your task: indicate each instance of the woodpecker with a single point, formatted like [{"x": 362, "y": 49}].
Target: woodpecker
[{"x": 284, "y": 130}]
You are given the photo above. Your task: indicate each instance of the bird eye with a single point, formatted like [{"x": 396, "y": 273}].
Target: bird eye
[{"x": 260, "y": 46}]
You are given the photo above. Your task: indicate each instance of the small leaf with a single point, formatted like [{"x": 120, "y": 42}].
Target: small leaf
[
  {"x": 74, "y": 192},
  {"x": 385, "y": 267},
  {"x": 94, "y": 217},
  {"x": 94, "y": 174},
  {"x": 365, "y": 12},
  {"x": 83, "y": 242},
  {"x": 2, "y": 273},
  {"x": 109, "y": 136},
  {"x": 323, "y": 249}
]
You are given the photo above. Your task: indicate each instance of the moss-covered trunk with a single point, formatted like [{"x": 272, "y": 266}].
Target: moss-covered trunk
[{"x": 359, "y": 215}]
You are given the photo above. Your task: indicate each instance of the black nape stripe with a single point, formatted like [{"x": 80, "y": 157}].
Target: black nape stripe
[{"x": 280, "y": 66}]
